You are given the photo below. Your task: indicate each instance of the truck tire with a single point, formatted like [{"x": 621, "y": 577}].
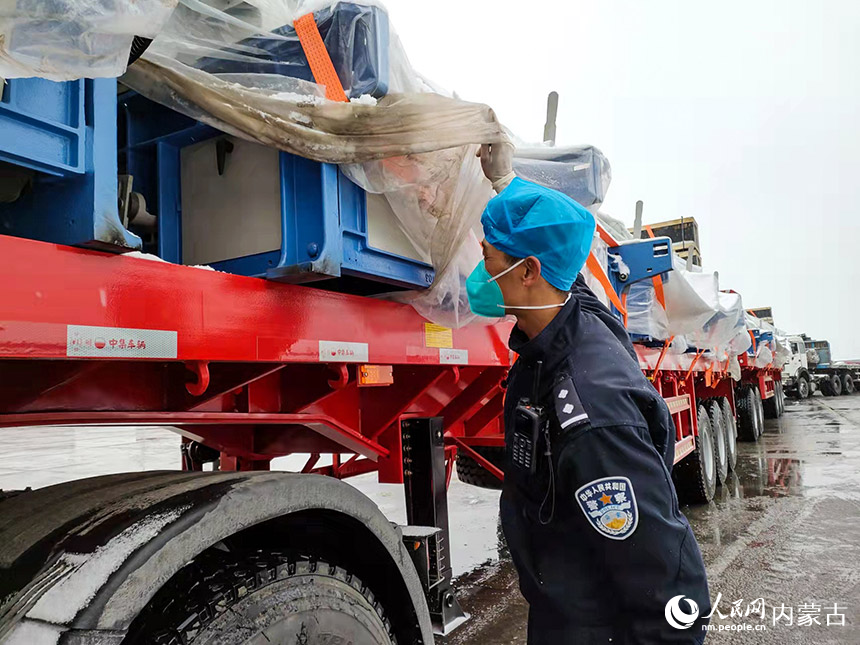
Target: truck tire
[
  {"x": 471, "y": 472},
  {"x": 731, "y": 432},
  {"x": 228, "y": 599},
  {"x": 748, "y": 419},
  {"x": 802, "y": 389},
  {"x": 831, "y": 385},
  {"x": 771, "y": 405},
  {"x": 696, "y": 475},
  {"x": 715, "y": 414},
  {"x": 780, "y": 392},
  {"x": 847, "y": 384},
  {"x": 759, "y": 404}
]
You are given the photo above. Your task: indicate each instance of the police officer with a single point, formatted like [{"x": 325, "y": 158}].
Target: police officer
[{"x": 588, "y": 507}]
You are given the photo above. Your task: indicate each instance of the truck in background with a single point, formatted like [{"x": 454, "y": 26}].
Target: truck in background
[{"x": 811, "y": 367}]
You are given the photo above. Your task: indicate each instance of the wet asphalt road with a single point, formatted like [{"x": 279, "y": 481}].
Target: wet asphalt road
[{"x": 785, "y": 529}]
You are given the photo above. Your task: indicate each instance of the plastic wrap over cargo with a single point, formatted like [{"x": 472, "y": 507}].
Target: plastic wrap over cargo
[
  {"x": 240, "y": 67},
  {"x": 725, "y": 332},
  {"x": 697, "y": 313},
  {"x": 68, "y": 39},
  {"x": 782, "y": 353},
  {"x": 600, "y": 249},
  {"x": 646, "y": 316},
  {"x": 763, "y": 355},
  {"x": 580, "y": 172}
]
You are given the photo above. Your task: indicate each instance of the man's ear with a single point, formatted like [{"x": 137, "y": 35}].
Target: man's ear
[{"x": 532, "y": 272}]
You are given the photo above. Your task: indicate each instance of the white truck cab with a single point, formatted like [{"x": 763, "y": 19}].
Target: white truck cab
[{"x": 796, "y": 377}]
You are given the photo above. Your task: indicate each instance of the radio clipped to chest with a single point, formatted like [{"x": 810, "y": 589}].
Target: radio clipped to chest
[{"x": 531, "y": 420}]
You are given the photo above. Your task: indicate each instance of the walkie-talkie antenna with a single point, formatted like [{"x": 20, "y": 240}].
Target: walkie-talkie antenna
[{"x": 536, "y": 384}]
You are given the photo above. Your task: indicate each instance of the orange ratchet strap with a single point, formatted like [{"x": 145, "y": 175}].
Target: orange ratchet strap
[
  {"x": 598, "y": 272},
  {"x": 657, "y": 280},
  {"x": 693, "y": 364},
  {"x": 660, "y": 359},
  {"x": 318, "y": 58}
]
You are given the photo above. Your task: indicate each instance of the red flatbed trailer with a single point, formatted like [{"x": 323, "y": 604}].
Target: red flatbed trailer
[{"x": 248, "y": 370}]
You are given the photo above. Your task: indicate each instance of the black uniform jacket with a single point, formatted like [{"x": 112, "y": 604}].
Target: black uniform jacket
[{"x": 596, "y": 534}]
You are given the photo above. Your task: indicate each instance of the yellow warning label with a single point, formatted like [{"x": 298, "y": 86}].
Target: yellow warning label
[{"x": 438, "y": 336}]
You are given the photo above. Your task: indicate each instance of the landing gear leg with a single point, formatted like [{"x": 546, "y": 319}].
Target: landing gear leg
[{"x": 424, "y": 479}]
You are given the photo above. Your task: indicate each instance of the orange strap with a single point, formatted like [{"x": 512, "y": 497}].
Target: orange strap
[
  {"x": 318, "y": 58},
  {"x": 709, "y": 375},
  {"x": 657, "y": 280},
  {"x": 598, "y": 272},
  {"x": 660, "y": 359},
  {"x": 752, "y": 336},
  {"x": 693, "y": 364},
  {"x": 605, "y": 236},
  {"x": 624, "y": 302}
]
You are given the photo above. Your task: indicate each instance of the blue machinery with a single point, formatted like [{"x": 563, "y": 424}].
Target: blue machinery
[
  {"x": 58, "y": 166},
  {"x": 66, "y": 176}
]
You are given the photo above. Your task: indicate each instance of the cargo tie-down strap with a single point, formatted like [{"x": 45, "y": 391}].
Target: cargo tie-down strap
[
  {"x": 318, "y": 58},
  {"x": 657, "y": 280},
  {"x": 598, "y": 272}
]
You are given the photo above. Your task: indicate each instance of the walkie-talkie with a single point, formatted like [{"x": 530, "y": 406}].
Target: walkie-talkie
[{"x": 528, "y": 421}]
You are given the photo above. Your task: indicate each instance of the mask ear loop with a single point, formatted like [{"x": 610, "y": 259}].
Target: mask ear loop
[
  {"x": 510, "y": 268},
  {"x": 561, "y": 304}
]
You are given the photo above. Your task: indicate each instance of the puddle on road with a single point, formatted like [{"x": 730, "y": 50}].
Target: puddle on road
[{"x": 806, "y": 453}]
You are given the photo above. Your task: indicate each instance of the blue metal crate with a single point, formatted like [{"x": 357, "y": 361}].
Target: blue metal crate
[
  {"x": 323, "y": 215},
  {"x": 356, "y": 38},
  {"x": 59, "y": 141}
]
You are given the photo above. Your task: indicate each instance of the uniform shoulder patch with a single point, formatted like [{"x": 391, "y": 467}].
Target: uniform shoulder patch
[
  {"x": 568, "y": 408},
  {"x": 609, "y": 505}
]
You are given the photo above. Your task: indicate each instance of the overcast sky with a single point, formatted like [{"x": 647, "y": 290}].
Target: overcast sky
[{"x": 741, "y": 114}]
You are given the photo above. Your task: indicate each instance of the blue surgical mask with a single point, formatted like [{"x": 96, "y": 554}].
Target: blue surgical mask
[{"x": 485, "y": 295}]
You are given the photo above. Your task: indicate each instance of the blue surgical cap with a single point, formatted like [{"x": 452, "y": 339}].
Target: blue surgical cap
[{"x": 527, "y": 219}]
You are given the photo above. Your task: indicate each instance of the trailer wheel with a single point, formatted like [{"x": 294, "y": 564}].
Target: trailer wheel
[
  {"x": 731, "y": 432},
  {"x": 771, "y": 406},
  {"x": 759, "y": 405},
  {"x": 831, "y": 385},
  {"x": 229, "y": 599},
  {"x": 748, "y": 419},
  {"x": 718, "y": 426},
  {"x": 847, "y": 384},
  {"x": 802, "y": 390},
  {"x": 780, "y": 394},
  {"x": 696, "y": 475},
  {"x": 471, "y": 472}
]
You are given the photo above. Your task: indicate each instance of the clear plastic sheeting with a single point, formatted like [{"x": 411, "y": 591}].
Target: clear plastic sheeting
[
  {"x": 763, "y": 356},
  {"x": 581, "y": 172},
  {"x": 734, "y": 367},
  {"x": 645, "y": 316},
  {"x": 782, "y": 351},
  {"x": 725, "y": 332},
  {"x": 600, "y": 249},
  {"x": 240, "y": 68},
  {"x": 696, "y": 313},
  {"x": 69, "y": 39}
]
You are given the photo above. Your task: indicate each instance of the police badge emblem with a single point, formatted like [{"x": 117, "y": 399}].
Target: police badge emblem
[{"x": 609, "y": 505}]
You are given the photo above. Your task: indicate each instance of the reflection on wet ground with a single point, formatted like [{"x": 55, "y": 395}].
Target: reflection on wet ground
[{"x": 785, "y": 528}]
